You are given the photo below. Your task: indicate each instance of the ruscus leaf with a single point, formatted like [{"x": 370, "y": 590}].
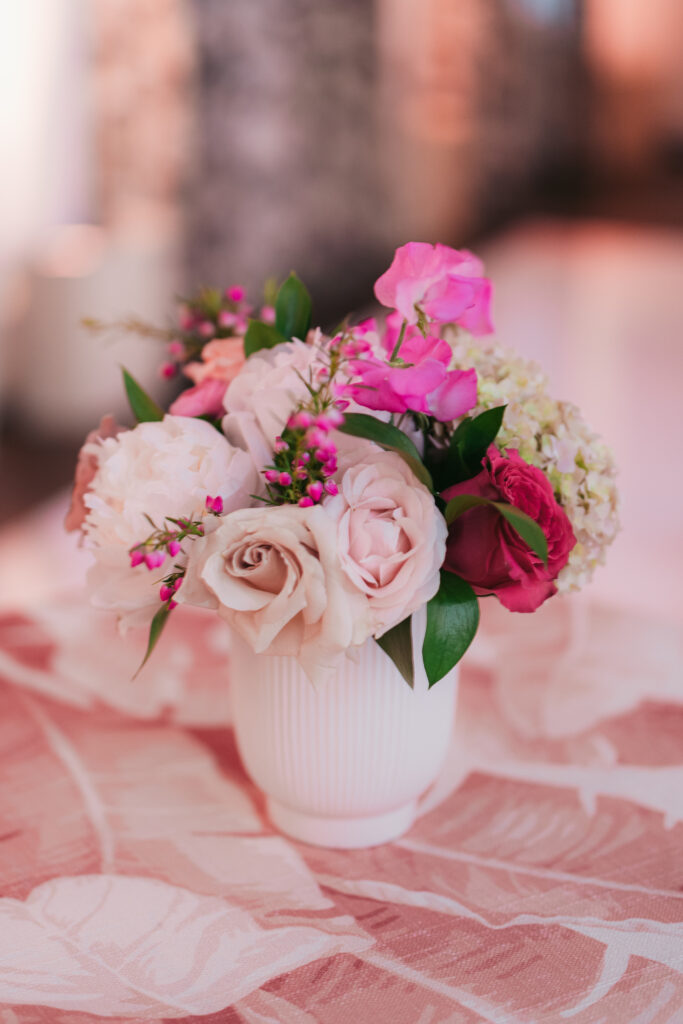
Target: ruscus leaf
[
  {"x": 144, "y": 408},
  {"x": 452, "y": 621},
  {"x": 293, "y": 309},
  {"x": 156, "y": 628},
  {"x": 398, "y": 644},
  {"x": 261, "y": 335}
]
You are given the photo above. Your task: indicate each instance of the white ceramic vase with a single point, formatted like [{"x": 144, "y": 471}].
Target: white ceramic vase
[{"x": 342, "y": 764}]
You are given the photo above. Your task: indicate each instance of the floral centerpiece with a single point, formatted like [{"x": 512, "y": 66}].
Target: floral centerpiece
[{"x": 343, "y": 496}]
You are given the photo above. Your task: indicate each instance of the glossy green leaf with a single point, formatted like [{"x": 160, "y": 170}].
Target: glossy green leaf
[
  {"x": 398, "y": 644},
  {"x": 359, "y": 424},
  {"x": 530, "y": 532},
  {"x": 293, "y": 309},
  {"x": 468, "y": 446},
  {"x": 156, "y": 628},
  {"x": 452, "y": 621},
  {"x": 260, "y": 335},
  {"x": 144, "y": 408}
]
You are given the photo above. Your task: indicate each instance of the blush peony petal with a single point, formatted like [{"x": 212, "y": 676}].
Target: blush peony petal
[{"x": 204, "y": 399}]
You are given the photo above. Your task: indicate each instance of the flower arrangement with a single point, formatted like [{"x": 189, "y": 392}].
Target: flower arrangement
[{"x": 315, "y": 490}]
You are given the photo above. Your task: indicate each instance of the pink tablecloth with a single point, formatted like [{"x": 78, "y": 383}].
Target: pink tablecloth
[{"x": 140, "y": 879}]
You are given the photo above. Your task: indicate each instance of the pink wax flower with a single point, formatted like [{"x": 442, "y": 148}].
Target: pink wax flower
[
  {"x": 446, "y": 284},
  {"x": 86, "y": 469},
  {"x": 236, "y": 293},
  {"x": 485, "y": 550},
  {"x": 424, "y": 384},
  {"x": 206, "y": 399},
  {"x": 267, "y": 314},
  {"x": 222, "y": 359}
]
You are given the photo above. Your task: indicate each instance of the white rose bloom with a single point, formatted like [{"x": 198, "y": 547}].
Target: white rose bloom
[
  {"x": 263, "y": 395},
  {"x": 391, "y": 537},
  {"x": 159, "y": 469},
  {"x": 274, "y": 575}
]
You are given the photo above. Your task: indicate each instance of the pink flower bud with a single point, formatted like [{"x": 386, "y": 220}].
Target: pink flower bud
[
  {"x": 178, "y": 583},
  {"x": 236, "y": 293},
  {"x": 153, "y": 559},
  {"x": 306, "y": 502},
  {"x": 342, "y": 403},
  {"x": 168, "y": 370},
  {"x": 302, "y": 419},
  {"x": 315, "y": 438},
  {"x": 305, "y": 458},
  {"x": 226, "y": 318},
  {"x": 172, "y": 605},
  {"x": 137, "y": 557},
  {"x": 335, "y": 416},
  {"x": 206, "y": 329},
  {"x": 301, "y": 474},
  {"x": 186, "y": 318},
  {"x": 165, "y": 593},
  {"x": 176, "y": 349},
  {"x": 331, "y": 487},
  {"x": 280, "y": 445},
  {"x": 271, "y": 476},
  {"x": 284, "y": 479},
  {"x": 173, "y": 547},
  {"x": 330, "y": 468},
  {"x": 218, "y": 505},
  {"x": 322, "y": 373},
  {"x": 323, "y": 422},
  {"x": 267, "y": 314},
  {"x": 315, "y": 490}
]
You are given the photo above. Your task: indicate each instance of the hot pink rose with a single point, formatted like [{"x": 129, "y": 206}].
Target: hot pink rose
[
  {"x": 487, "y": 552},
  {"x": 445, "y": 284},
  {"x": 86, "y": 468},
  {"x": 205, "y": 399},
  {"x": 423, "y": 384}
]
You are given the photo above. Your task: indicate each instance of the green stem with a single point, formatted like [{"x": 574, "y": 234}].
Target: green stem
[{"x": 399, "y": 342}]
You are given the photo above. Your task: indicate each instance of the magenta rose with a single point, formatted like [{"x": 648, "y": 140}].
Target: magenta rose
[
  {"x": 446, "y": 285},
  {"x": 484, "y": 549}
]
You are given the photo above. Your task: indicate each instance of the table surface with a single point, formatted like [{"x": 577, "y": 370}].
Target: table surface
[{"x": 543, "y": 881}]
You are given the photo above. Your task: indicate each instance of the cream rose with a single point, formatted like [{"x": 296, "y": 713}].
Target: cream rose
[
  {"x": 158, "y": 469},
  {"x": 274, "y": 575},
  {"x": 263, "y": 395},
  {"x": 391, "y": 538}
]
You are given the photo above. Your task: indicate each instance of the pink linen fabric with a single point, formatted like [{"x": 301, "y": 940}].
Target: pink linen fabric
[{"x": 140, "y": 879}]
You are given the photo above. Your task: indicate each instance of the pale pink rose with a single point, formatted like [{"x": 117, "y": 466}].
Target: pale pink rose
[
  {"x": 262, "y": 396},
  {"x": 86, "y": 467},
  {"x": 159, "y": 469},
  {"x": 391, "y": 537},
  {"x": 447, "y": 285},
  {"x": 274, "y": 575},
  {"x": 204, "y": 399},
  {"x": 222, "y": 359}
]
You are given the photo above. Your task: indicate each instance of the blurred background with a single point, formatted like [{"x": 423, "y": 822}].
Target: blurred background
[{"x": 150, "y": 146}]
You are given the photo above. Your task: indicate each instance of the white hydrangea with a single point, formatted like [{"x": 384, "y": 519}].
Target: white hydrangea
[{"x": 553, "y": 436}]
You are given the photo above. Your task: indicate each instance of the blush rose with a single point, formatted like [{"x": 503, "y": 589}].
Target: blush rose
[{"x": 484, "y": 549}]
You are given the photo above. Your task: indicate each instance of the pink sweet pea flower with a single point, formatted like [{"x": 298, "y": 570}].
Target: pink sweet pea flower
[
  {"x": 205, "y": 399},
  {"x": 446, "y": 284},
  {"x": 422, "y": 384}
]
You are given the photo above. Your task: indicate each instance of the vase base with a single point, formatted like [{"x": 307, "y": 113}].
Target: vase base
[{"x": 342, "y": 833}]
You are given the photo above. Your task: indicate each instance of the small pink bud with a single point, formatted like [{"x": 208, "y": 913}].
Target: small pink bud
[
  {"x": 323, "y": 422},
  {"x": 176, "y": 349},
  {"x": 200, "y": 530},
  {"x": 302, "y": 419},
  {"x": 226, "y": 318},
  {"x": 305, "y": 502},
  {"x": 284, "y": 479},
  {"x": 267, "y": 314},
  {"x": 363, "y": 346},
  {"x": 305, "y": 457},
  {"x": 165, "y": 593},
  {"x": 271, "y": 476},
  {"x": 301, "y": 474},
  {"x": 335, "y": 416},
  {"x": 342, "y": 403},
  {"x": 218, "y": 505},
  {"x": 331, "y": 487},
  {"x": 168, "y": 370},
  {"x": 280, "y": 445},
  {"x": 315, "y": 490},
  {"x": 322, "y": 373},
  {"x": 236, "y": 293},
  {"x": 315, "y": 438},
  {"x": 178, "y": 583},
  {"x": 173, "y": 547},
  {"x": 206, "y": 329},
  {"x": 153, "y": 559},
  {"x": 186, "y": 318},
  {"x": 330, "y": 468},
  {"x": 172, "y": 605},
  {"x": 325, "y": 453},
  {"x": 137, "y": 557}
]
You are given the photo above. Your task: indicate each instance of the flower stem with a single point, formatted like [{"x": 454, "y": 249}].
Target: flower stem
[{"x": 399, "y": 341}]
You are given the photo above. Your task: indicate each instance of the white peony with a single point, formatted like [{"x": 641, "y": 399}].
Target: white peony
[{"x": 158, "y": 469}]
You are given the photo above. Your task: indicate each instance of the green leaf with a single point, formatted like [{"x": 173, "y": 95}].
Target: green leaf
[
  {"x": 452, "y": 620},
  {"x": 530, "y": 532},
  {"x": 144, "y": 408},
  {"x": 293, "y": 309},
  {"x": 260, "y": 335},
  {"x": 359, "y": 424},
  {"x": 398, "y": 644},
  {"x": 468, "y": 447},
  {"x": 155, "y": 630}
]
